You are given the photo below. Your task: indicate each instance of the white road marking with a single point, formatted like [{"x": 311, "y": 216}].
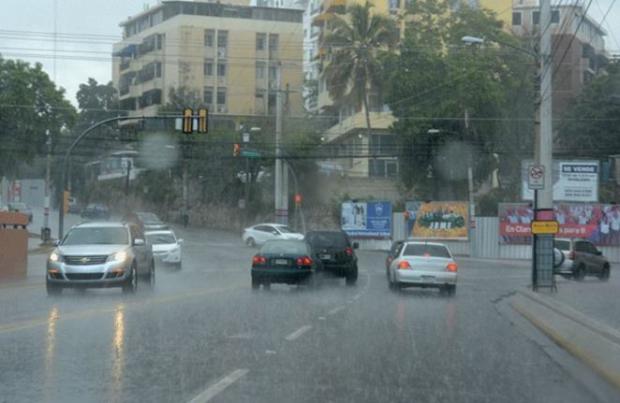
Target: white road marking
[
  {"x": 218, "y": 387},
  {"x": 336, "y": 310},
  {"x": 321, "y": 317},
  {"x": 356, "y": 297},
  {"x": 298, "y": 333}
]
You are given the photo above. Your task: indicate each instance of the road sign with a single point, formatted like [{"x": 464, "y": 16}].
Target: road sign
[
  {"x": 545, "y": 227},
  {"x": 250, "y": 154},
  {"x": 536, "y": 177}
]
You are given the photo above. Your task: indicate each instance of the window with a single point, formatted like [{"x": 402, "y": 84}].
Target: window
[
  {"x": 260, "y": 70},
  {"x": 426, "y": 250},
  {"x": 221, "y": 96},
  {"x": 209, "y": 36},
  {"x": 222, "y": 39},
  {"x": 555, "y": 17},
  {"x": 208, "y": 95},
  {"x": 273, "y": 72},
  {"x": 261, "y": 40},
  {"x": 581, "y": 247},
  {"x": 273, "y": 42},
  {"x": 221, "y": 69},
  {"x": 208, "y": 67},
  {"x": 516, "y": 18}
]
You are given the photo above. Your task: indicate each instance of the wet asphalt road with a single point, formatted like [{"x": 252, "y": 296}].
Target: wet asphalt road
[{"x": 204, "y": 333}]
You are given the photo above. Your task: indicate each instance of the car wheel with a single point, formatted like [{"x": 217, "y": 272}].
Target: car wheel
[
  {"x": 131, "y": 285},
  {"x": 604, "y": 275},
  {"x": 250, "y": 242},
  {"x": 53, "y": 290},
  {"x": 255, "y": 284},
  {"x": 449, "y": 289},
  {"x": 351, "y": 278},
  {"x": 580, "y": 273},
  {"x": 267, "y": 285},
  {"x": 178, "y": 266}
]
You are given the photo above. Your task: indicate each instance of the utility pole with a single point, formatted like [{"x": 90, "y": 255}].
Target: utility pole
[
  {"x": 45, "y": 233},
  {"x": 281, "y": 177},
  {"x": 542, "y": 251}
]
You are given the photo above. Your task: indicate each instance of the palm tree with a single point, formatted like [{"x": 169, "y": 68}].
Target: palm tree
[{"x": 356, "y": 40}]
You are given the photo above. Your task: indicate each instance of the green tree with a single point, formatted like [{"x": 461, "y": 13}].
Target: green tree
[
  {"x": 30, "y": 105},
  {"x": 458, "y": 105},
  {"x": 357, "y": 41}
]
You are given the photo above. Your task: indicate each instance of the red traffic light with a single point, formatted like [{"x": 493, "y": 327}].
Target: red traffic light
[
  {"x": 236, "y": 149},
  {"x": 298, "y": 198}
]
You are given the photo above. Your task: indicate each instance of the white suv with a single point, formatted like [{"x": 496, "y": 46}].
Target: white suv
[{"x": 261, "y": 233}]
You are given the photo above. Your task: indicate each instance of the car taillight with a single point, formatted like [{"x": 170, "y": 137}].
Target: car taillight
[
  {"x": 304, "y": 261},
  {"x": 452, "y": 267},
  {"x": 349, "y": 251},
  {"x": 404, "y": 265},
  {"x": 571, "y": 255},
  {"x": 258, "y": 260}
]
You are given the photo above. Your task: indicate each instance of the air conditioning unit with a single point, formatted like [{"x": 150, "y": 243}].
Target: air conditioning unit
[
  {"x": 221, "y": 52},
  {"x": 222, "y": 109}
]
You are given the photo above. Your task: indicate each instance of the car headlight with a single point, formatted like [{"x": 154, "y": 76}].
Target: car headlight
[
  {"x": 55, "y": 257},
  {"x": 118, "y": 257}
]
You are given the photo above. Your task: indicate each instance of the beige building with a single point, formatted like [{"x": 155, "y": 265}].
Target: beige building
[{"x": 229, "y": 55}]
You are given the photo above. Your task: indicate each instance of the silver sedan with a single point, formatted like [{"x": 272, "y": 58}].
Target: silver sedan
[{"x": 423, "y": 264}]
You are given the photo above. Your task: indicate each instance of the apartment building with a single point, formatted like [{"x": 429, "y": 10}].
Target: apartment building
[
  {"x": 578, "y": 46},
  {"x": 229, "y": 55}
]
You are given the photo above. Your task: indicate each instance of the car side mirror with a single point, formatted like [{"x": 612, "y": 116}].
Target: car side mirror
[
  {"x": 56, "y": 242},
  {"x": 138, "y": 242},
  {"x": 598, "y": 253},
  {"x": 356, "y": 245},
  {"x": 180, "y": 240},
  {"x": 275, "y": 233}
]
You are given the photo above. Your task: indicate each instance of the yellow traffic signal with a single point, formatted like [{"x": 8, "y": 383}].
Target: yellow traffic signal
[
  {"x": 188, "y": 120},
  {"x": 203, "y": 120},
  {"x": 236, "y": 149}
]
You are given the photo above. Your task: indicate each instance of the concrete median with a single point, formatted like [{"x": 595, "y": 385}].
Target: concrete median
[{"x": 594, "y": 343}]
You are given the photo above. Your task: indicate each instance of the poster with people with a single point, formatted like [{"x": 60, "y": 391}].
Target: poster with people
[
  {"x": 411, "y": 213},
  {"x": 599, "y": 223},
  {"x": 367, "y": 219},
  {"x": 441, "y": 220}
]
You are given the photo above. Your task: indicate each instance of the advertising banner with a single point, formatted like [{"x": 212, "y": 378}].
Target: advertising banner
[
  {"x": 367, "y": 219},
  {"x": 573, "y": 181},
  {"x": 441, "y": 220},
  {"x": 599, "y": 223}
]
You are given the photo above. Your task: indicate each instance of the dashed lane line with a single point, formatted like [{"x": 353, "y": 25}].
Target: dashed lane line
[
  {"x": 298, "y": 333},
  {"x": 218, "y": 387},
  {"x": 336, "y": 310}
]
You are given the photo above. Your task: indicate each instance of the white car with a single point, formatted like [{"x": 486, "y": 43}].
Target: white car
[
  {"x": 166, "y": 247},
  {"x": 261, "y": 233},
  {"x": 423, "y": 264}
]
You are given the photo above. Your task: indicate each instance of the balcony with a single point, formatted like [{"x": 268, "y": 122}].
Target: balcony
[{"x": 378, "y": 121}]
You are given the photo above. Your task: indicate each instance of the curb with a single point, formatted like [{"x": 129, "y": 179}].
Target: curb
[{"x": 594, "y": 343}]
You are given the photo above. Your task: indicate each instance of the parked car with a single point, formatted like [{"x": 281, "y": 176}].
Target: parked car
[
  {"x": 166, "y": 247},
  {"x": 578, "y": 258},
  {"x": 96, "y": 211},
  {"x": 74, "y": 206},
  {"x": 285, "y": 261},
  {"x": 336, "y": 252},
  {"x": 260, "y": 233},
  {"x": 95, "y": 255},
  {"x": 424, "y": 264},
  {"x": 393, "y": 252},
  {"x": 20, "y": 207}
]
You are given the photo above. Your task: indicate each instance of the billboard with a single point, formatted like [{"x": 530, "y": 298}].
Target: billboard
[
  {"x": 367, "y": 219},
  {"x": 573, "y": 181},
  {"x": 441, "y": 220},
  {"x": 599, "y": 223}
]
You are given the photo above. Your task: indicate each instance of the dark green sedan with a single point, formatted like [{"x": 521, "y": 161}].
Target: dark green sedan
[{"x": 286, "y": 262}]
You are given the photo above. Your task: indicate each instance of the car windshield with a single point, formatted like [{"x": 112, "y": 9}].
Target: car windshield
[
  {"x": 428, "y": 250},
  {"x": 158, "y": 239},
  {"x": 327, "y": 240},
  {"x": 561, "y": 244},
  {"x": 96, "y": 236},
  {"x": 283, "y": 229},
  {"x": 284, "y": 247},
  {"x": 148, "y": 217}
]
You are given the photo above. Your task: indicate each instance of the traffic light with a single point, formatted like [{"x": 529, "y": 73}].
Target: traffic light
[
  {"x": 203, "y": 120},
  {"x": 188, "y": 121},
  {"x": 236, "y": 149}
]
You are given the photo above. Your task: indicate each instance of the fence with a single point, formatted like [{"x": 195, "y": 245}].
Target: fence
[{"x": 486, "y": 242}]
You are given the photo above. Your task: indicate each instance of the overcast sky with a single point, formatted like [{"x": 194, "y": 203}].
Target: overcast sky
[{"x": 87, "y": 29}]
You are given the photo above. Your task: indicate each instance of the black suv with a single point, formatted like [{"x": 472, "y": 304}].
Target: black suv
[{"x": 336, "y": 253}]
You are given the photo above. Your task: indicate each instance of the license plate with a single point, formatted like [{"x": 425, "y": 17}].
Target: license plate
[
  {"x": 281, "y": 262},
  {"x": 430, "y": 279},
  {"x": 325, "y": 257}
]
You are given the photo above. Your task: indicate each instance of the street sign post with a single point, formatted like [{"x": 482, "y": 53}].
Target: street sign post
[{"x": 536, "y": 177}]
